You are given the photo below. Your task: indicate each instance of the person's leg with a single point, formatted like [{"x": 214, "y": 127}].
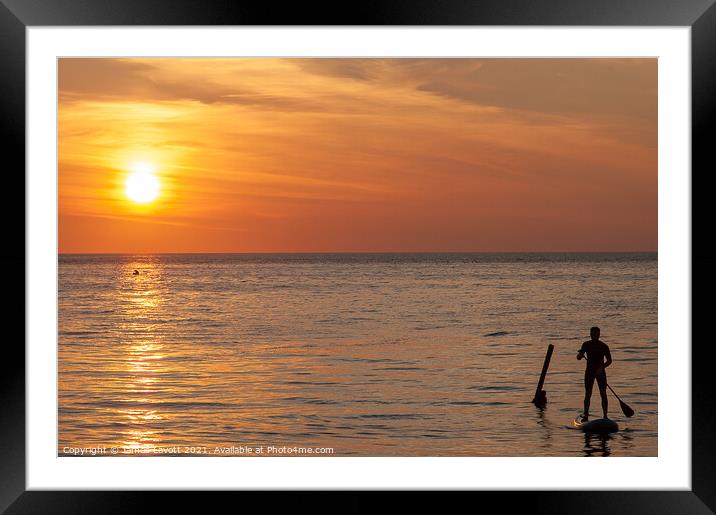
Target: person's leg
[
  {"x": 588, "y": 384},
  {"x": 602, "y": 383}
]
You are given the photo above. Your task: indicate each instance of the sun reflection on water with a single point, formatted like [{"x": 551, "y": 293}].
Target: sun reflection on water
[{"x": 140, "y": 284}]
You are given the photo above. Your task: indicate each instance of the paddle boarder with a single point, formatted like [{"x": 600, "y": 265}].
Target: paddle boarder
[{"x": 598, "y": 359}]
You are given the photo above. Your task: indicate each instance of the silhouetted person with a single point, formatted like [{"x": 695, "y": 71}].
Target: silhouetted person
[
  {"x": 597, "y": 351},
  {"x": 136, "y": 272}
]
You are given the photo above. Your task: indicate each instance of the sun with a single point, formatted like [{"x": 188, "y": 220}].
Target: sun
[{"x": 142, "y": 185}]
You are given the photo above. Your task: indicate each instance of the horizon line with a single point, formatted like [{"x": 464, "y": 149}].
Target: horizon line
[{"x": 378, "y": 252}]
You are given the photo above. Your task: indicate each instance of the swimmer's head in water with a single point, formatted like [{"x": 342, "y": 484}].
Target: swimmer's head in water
[{"x": 594, "y": 332}]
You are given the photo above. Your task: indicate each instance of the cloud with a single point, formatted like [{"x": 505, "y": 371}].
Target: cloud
[
  {"x": 358, "y": 69},
  {"x": 626, "y": 87},
  {"x": 102, "y": 77},
  {"x": 129, "y": 80}
]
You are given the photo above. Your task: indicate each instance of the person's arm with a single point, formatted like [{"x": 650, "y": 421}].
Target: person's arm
[
  {"x": 580, "y": 354},
  {"x": 608, "y": 355}
]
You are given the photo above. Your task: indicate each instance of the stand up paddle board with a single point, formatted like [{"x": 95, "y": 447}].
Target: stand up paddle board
[{"x": 597, "y": 425}]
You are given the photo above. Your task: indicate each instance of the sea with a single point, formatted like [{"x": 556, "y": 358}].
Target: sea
[{"x": 433, "y": 354}]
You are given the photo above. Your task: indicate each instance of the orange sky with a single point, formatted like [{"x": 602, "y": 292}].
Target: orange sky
[{"x": 352, "y": 155}]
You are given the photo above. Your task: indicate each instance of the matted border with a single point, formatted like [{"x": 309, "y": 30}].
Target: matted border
[
  {"x": 669, "y": 470},
  {"x": 700, "y": 15}
]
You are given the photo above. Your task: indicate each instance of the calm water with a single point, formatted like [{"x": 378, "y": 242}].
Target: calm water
[{"x": 371, "y": 355}]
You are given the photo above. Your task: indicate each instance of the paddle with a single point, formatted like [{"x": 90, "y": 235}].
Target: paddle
[{"x": 628, "y": 412}]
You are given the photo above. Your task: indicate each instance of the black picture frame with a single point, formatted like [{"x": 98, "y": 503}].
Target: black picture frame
[{"x": 17, "y": 15}]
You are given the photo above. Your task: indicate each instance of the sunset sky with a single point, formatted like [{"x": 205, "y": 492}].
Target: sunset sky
[{"x": 353, "y": 155}]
